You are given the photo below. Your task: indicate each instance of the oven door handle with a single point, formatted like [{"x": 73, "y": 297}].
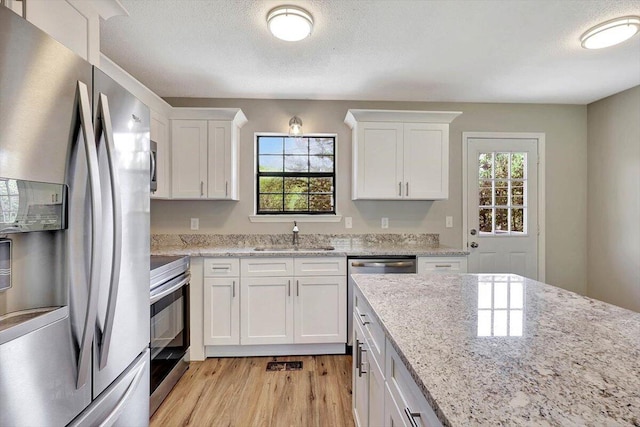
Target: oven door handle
[{"x": 157, "y": 297}]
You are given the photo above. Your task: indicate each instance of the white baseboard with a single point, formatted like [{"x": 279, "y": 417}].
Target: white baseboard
[{"x": 273, "y": 350}]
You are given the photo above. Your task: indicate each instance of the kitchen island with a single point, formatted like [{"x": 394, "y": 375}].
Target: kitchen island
[{"x": 505, "y": 350}]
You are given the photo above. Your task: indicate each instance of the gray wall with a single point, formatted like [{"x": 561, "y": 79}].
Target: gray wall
[
  {"x": 566, "y": 140},
  {"x": 613, "y": 214}
]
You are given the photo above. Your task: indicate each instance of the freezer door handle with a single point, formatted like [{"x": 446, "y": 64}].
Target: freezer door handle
[
  {"x": 103, "y": 125},
  {"x": 84, "y": 111},
  {"x": 115, "y": 414}
]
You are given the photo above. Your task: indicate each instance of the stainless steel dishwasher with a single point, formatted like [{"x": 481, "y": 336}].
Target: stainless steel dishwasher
[{"x": 373, "y": 265}]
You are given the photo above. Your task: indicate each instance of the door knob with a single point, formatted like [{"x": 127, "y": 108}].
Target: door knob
[
  {"x": 473, "y": 232},
  {"x": 474, "y": 245}
]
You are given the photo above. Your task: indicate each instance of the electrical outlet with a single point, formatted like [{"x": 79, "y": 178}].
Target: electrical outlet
[
  {"x": 195, "y": 223},
  {"x": 449, "y": 222},
  {"x": 348, "y": 222},
  {"x": 384, "y": 223}
]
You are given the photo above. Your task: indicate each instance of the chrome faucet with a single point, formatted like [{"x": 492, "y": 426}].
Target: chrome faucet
[{"x": 295, "y": 233}]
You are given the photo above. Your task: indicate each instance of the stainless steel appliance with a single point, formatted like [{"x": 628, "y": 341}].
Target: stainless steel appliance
[
  {"x": 373, "y": 265},
  {"x": 169, "y": 324},
  {"x": 74, "y": 325}
]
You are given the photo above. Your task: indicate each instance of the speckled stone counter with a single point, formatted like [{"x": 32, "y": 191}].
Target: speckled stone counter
[
  {"x": 216, "y": 245},
  {"x": 503, "y": 350}
]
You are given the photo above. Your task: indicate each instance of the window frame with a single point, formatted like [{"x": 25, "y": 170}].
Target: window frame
[{"x": 286, "y": 215}]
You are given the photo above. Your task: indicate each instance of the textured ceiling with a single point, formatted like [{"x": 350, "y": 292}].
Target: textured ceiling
[{"x": 403, "y": 50}]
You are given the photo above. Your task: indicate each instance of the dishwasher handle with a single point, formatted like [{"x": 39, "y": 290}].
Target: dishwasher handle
[{"x": 393, "y": 264}]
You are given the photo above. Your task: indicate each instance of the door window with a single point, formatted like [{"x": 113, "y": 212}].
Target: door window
[{"x": 502, "y": 193}]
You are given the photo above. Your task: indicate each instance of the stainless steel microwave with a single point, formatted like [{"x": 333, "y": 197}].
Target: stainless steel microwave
[{"x": 154, "y": 169}]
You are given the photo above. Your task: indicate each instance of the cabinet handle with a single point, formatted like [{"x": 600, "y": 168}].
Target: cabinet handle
[
  {"x": 443, "y": 265},
  {"x": 407, "y": 193},
  {"x": 400, "y": 189},
  {"x": 226, "y": 189},
  {"x": 201, "y": 188},
  {"x": 364, "y": 322},
  {"x": 358, "y": 357},
  {"x": 297, "y": 288},
  {"x": 234, "y": 289},
  {"x": 360, "y": 370},
  {"x": 289, "y": 287},
  {"x": 412, "y": 417}
]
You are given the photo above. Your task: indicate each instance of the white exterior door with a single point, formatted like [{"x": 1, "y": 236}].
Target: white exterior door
[{"x": 502, "y": 205}]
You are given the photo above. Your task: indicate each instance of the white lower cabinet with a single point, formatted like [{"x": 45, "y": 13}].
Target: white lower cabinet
[
  {"x": 383, "y": 394},
  {"x": 266, "y": 310},
  {"x": 437, "y": 264},
  {"x": 275, "y": 301}
]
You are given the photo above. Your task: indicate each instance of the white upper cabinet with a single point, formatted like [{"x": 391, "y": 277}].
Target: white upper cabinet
[
  {"x": 74, "y": 23},
  {"x": 400, "y": 155},
  {"x": 204, "y": 153}
]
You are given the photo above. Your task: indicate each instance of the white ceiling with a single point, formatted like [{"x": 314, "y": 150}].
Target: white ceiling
[{"x": 524, "y": 51}]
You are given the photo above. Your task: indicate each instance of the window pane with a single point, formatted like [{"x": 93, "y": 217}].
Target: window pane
[
  {"x": 516, "y": 297},
  {"x": 268, "y": 184},
  {"x": 518, "y": 161},
  {"x": 270, "y": 203},
  {"x": 517, "y": 220},
  {"x": 485, "y": 217},
  {"x": 517, "y": 193},
  {"x": 484, "y": 165},
  {"x": 295, "y": 202},
  {"x": 296, "y": 164},
  {"x": 296, "y": 185},
  {"x": 485, "y": 195},
  {"x": 500, "y": 323},
  {"x": 320, "y": 163},
  {"x": 296, "y": 146},
  {"x": 484, "y": 323},
  {"x": 270, "y": 163},
  {"x": 502, "y": 193},
  {"x": 270, "y": 145},
  {"x": 321, "y": 185},
  {"x": 321, "y": 146},
  {"x": 500, "y": 295},
  {"x": 321, "y": 203},
  {"x": 502, "y": 165},
  {"x": 502, "y": 220}
]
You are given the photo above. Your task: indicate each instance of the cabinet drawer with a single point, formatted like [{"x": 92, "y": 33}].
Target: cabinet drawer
[
  {"x": 442, "y": 264},
  {"x": 405, "y": 391},
  {"x": 322, "y": 266},
  {"x": 221, "y": 267},
  {"x": 372, "y": 330},
  {"x": 266, "y": 267}
]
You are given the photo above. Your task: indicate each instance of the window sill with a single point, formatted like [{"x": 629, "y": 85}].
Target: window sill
[{"x": 299, "y": 218}]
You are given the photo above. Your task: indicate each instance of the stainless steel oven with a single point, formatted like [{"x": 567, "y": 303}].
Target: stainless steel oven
[{"x": 169, "y": 324}]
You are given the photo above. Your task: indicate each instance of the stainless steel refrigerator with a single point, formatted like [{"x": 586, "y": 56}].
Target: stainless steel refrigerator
[{"x": 74, "y": 238}]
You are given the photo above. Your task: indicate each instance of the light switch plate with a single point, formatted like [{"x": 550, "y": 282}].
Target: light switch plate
[
  {"x": 449, "y": 222},
  {"x": 384, "y": 223},
  {"x": 348, "y": 222},
  {"x": 195, "y": 223}
]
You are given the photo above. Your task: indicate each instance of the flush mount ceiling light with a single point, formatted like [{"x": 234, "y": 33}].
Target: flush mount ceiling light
[
  {"x": 611, "y": 32},
  {"x": 290, "y": 23},
  {"x": 295, "y": 126}
]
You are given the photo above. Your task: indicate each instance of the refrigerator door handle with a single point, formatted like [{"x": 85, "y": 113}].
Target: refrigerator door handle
[
  {"x": 115, "y": 414},
  {"x": 104, "y": 126},
  {"x": 84, "y": 110}
]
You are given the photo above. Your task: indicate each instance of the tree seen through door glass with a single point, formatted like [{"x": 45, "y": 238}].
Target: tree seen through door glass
[
  {"x": 502, "y": 181},
  {"x": 295, "y": 175}
]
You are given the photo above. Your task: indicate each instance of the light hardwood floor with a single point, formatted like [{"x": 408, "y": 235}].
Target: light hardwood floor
[{"x": 240, "y": 392}]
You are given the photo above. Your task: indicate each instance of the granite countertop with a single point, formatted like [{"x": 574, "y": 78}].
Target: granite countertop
[
  {"x": 234, "y": 245},
  {"x": 505, "y": 350}
]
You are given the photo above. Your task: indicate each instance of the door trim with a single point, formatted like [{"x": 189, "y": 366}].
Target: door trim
[{"x": 540, "y": 136}]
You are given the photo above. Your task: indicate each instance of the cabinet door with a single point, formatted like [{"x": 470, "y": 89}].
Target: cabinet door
[
  {"x": 426, "y": 161},
  {"x": 376, "y": 394},
  {"x": 160, "y": 134},
  {"x": 220, "y": 160},
  {"x": 378, "y": 163},
  {"x": 393, "y": 417},
  {"x": 189, "y": 159},
  {"x": 320, "y": 309},
  {"x": 360, "y": 386},
  {"x": 221, "y": 311},
  {"x": 266, "y": 310}
]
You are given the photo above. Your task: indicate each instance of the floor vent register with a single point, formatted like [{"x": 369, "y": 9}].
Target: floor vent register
[{"x": 284, "y": 366}]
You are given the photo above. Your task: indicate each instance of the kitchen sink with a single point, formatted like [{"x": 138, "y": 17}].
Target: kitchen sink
[{"x": 293, "y": 248}]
